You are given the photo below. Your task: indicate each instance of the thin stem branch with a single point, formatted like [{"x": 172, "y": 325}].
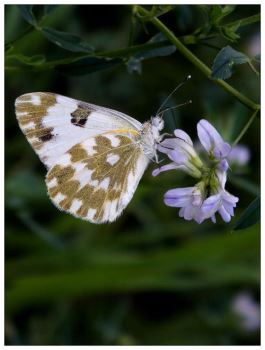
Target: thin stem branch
[
  {"x": 246, "y": 127},
  {"x": 197, "y": 62},
  {"x": 245, "y": 21},
  {"x": 123, "y": 52},
  {"x": 127, "y": 51}
]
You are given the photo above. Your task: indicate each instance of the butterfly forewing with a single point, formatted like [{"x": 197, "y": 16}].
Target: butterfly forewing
[
  {"x": 93, "y": 154},
  {"x": 96, "y": 179},
  {"x": 53, "y": 123}
]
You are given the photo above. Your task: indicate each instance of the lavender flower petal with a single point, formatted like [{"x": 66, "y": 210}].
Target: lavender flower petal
[
  {"x": 223, "y": 165},
  {"x": 184, "y": 198},
  {"x": 223, "y": 202},
  {"x": 166, "y": 167},
  {"x": 179, "y": 197},
  {"x": 211, "y": 205},
  {"x": 212, "y": 140},
  {"x": 229, "y": 208},
  {"x": 230, "y": 198},
  {"x": 224, "y": 214},
  {"x": 183, "y": 135},
  {"x": 213, "y": 218},
  {"x": 182, "y": 154}
]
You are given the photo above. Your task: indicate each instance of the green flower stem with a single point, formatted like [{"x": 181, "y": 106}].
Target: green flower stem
[
  {"x": 246, "y": 127},
  {"x": 197, "y": 62},
  {"x": 244, "y": 21}
]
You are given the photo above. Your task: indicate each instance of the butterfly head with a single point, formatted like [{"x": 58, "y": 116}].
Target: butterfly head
[{"x": 157, "y": 122}]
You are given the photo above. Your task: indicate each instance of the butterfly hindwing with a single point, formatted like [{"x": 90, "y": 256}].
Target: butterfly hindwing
[
  {"x": 96, "y": 179},
  {"x": 53, "y": 123}
]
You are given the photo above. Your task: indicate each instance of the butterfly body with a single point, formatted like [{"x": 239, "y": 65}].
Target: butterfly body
[
  {"x": 95, "y": 156},
  {"x": 150, "y": 137}
]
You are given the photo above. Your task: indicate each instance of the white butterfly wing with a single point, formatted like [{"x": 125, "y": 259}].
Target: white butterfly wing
[
  {"x": 93, "y": 154},
  {"x": 96, "y": 179},
  {"x": 53, "y": 123}
]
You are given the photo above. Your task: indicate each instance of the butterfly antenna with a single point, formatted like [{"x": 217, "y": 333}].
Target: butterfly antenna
[
  {"x": 180, "y": 105},
  {"x": 176, "y": 88}
]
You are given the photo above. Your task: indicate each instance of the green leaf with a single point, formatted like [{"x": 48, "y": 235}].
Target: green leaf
[
  {"x": 27, "y": 13},
  {"x": 215, "y": 13},
  {"x": 227, "y": 9},
  {"x": 67, "y": 41},
  {"x": 134, "y": 63},
  {"x": 250, "y": 216},
  {"x": 88, "y": 65},
  {"x": 225, "y": 61},
  {"x": 157, "y": 52},
  {"x": 229, "y": 33},
  {"x": 218, "y": 12}
]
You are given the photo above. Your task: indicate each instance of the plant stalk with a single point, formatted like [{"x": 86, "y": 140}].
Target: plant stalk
[{"x": 246, "y": 127}]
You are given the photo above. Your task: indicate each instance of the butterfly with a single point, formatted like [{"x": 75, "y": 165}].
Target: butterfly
[{"x": 95, "y": 156}]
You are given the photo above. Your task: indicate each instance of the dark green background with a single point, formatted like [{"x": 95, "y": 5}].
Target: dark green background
[{"x": 150, "y": 277}]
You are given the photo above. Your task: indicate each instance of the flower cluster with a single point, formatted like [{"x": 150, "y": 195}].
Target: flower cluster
[{"x": 208, "y": 196}]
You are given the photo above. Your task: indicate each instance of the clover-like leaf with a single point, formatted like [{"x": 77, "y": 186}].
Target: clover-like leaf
[
  {"x": 67, "y": 41},
  {"x": 250, "y": 216},
  {"x": 225, "y": 61}
]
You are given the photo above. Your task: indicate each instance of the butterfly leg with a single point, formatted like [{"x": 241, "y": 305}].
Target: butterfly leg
[
  {"x": 164, "y": 135},
  {"x": 157, "y": 161}
]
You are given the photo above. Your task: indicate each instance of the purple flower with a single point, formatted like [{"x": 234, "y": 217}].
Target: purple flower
[
  {"x": 181, "y": 151},
  {"x": 248, "y": 310},
  {"x": 222, "y": 202},
  {"x": 208, "y": 196},
  {"x": 239, "y": 155},
  {"x": 189, "y": 199},
  {"x": 211, "y": 140}
]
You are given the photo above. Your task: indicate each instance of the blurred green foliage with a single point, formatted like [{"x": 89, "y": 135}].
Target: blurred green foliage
[{"x": 150, "y": 277}]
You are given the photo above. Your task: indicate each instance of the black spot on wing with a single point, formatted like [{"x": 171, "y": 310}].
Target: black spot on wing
[
  {"x": 47, "y": 137},
  {"x": 78, "y": 122},
  {"x": 46, "y": 134},
  {"x": 80, "y": 116}
]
